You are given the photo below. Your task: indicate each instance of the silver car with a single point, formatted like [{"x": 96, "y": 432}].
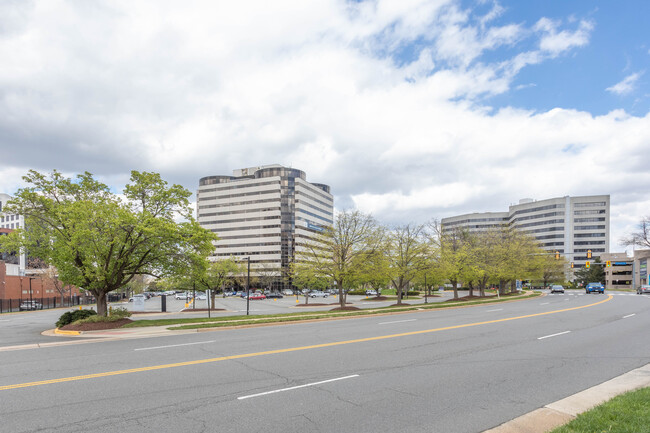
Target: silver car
[
  {"x": 557, "y": 288},
  {"x": 643, "y": 289},
  {"x": 317, "y": 294}
]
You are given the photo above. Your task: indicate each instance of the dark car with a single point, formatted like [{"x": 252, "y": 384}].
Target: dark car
[
  {"x": 271, "y": 295},
  {"x": 557, "y": 288},
  {"x": 643, "y": 289}
]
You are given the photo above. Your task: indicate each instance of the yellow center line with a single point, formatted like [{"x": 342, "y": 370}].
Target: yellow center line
[{"x": 291, "y": 349}]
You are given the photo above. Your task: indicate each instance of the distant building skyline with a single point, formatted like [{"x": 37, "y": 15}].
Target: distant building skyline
[{"x": 569, "y": 225}]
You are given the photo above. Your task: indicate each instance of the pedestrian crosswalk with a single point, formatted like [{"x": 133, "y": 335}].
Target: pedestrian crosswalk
[{"x": 608, "y": 293}]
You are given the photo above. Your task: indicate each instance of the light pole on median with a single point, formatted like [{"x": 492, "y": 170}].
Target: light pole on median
[{"x": 248, "y": 285}]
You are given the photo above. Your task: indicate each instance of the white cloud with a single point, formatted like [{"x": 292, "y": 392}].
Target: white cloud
[
  {"x": 626, "y": 86},
  {"x": 382, "y": 100}
]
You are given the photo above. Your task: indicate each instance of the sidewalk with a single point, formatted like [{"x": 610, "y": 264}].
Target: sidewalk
[{"x": 562, "y": 411}]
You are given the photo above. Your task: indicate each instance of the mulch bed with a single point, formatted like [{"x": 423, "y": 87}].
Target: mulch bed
[
  {"x": 189, "y": 310},
  {"x": 468, "y": 298},
  {"x": 399, "y": 305},
  {"x": 96, "y": 326},
  {"x": 377, "y": 298},
  {"x": 345, "y": 309}
]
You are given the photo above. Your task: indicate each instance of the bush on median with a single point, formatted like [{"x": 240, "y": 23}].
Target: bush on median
[{"x": 72, "y": 316}]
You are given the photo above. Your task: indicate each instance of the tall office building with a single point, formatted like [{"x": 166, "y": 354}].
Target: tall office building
[
  {"x": 569, "y": 225},
  {"x": 263, "y": 213}
]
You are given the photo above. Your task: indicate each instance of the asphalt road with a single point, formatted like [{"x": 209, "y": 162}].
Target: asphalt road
[{"x": 461, "y": 370}]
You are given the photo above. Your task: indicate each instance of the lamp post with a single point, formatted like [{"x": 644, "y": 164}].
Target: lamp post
[
  {"x": 248, "y": 285},
  {"x": 426, "y": 289}
]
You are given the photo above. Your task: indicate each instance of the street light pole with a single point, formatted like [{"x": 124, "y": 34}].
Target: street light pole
[
  {"x": 248, "y": 285},
  {"x": 426, "y": 289}
]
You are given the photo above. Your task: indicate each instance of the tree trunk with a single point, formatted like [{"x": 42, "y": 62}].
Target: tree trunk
[
  {"x": 102, "y": 309},
  {"x": 471, "y": 289},
  {"x": 342, "y": 295},
  {"x": 454, "y": 283}
]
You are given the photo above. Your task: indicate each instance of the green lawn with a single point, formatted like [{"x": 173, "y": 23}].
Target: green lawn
[
  {"x": 220, "y": 321},
  {"x": 627, "y": 413}
]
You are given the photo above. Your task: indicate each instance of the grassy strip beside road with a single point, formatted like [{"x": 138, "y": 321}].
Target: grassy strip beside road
[
  {"x": 196, "y": 323},
  {"x": 627, "y": 413}
]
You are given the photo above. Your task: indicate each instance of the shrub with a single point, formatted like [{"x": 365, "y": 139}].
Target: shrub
[
  {"x": 72, "y": 316},
  {"x": 118, "y": 312},
  {"x": 357, "y": 292}
]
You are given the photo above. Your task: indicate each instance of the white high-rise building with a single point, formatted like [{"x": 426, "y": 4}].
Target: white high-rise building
[
  {"x": 569, "y": 225},
  {"x": 10, "y": 222},
  {"x": 263, "y": 213}
]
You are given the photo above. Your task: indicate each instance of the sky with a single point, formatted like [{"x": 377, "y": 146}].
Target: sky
[{"x": 409, "y": 109}]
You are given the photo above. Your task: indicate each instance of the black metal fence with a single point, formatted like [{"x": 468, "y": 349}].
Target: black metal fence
[{"x": 10, "y": 305}]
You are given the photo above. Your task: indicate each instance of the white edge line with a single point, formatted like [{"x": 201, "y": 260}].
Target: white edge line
[
  {"x": 545, "y": 303},
  {"x": 296, "y": 387},
  {"x": 629, "y": 315},
  {"x": 175, "y": 345},
  {"x": 397, "y": 321},
  {"x": 553, "y": 335},
  {"x": 498, "y": 309}
]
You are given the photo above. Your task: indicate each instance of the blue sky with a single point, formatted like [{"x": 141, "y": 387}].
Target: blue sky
[
  {"x": 409, "y": 109},
  {"x": 619, "y": 46}
]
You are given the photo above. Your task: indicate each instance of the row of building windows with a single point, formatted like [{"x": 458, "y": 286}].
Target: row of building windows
[
  {"x": 589, "y": 235},
  {"x": 557, "y": 236},
  {"x": 537, "y": 209},
  {"x": 593, "y": 250},
  {"x": 10, "y": 226},
  {"x": 544, "y": 215},
  {"x": 539, "y": 223},
  {"x": 210, "y": 206},
  {"x": 318, "y": 192},
  {"x": 8, "y": 218},
  {"x": 238, "y": 212},
  {"x": 589, "y": 220},
  {"x": 304, "y": 203},
  {"x": 326, "y": 204},
  {"x": 233, "y": 186},
  {"x": 274, "y": 226},
  {"x": 240, "y": 220},
  {"x": 242, "y": 194},
  {"x": 546, "y": 229},
  {"x": 599, "y": 227},
  {"x": 328, "y": 221},
  {"x": 258, "y": 244},
  {"x": 589, "y": 212},
  {"x": 590, "y": 204},
  {"x": 589, "y": 243}
]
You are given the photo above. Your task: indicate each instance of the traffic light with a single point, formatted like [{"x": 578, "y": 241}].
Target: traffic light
[
  {"x": 587, "y": 265},
  {"x": 571, "y": 265},
  {"x": 557, "y": 255},
  {"x": 608, "y": 263},
  {"x": 588, "y": 254}
]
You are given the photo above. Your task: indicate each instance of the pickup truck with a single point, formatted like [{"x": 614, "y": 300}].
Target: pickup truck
[{"x": 594, "y": 287}]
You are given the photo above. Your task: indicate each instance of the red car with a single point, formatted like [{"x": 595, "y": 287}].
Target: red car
[{"x": 257, "y": 296}]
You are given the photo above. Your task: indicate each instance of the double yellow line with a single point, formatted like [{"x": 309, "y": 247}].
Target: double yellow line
[{"x": 291, "y": 349}]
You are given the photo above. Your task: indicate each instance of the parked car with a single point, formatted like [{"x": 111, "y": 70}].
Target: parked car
[
  {"x": 274, "y": 295},
  {"x": 557, "y": 288},
  {"x": 287, "y": 292},
  {"x": 182, "y": 296},
  {"x": 371, "y": 293},
  {"x": 169, "y": 293},
  {"x": 643, "y": 289},
  {"x": 256, "y": 295},
  {"x": 202, "y": 297},
  {"x": 30, "y": 305},
  {"x": 595, "y": 287},
  {"x": 140, "y": 295},
  {"x": 317, "y": 294}
]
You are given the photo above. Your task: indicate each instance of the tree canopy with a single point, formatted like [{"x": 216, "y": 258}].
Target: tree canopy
[{"x": 98, "y": 240}]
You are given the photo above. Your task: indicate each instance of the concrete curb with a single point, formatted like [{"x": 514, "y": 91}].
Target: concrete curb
[{"x": 562, "y": 411}]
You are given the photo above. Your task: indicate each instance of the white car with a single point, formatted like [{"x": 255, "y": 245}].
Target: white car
[
  {"x": 182, "y": 296},
  {"x": 317, "y": 294},
  {"x": 643, "y": 289},
  {"x": 201, "y": 297}
]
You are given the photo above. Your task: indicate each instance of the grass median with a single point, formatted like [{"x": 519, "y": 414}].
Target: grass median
[
  {"x": 223, "y": 321},
  {"x": 626, "y": 413}
]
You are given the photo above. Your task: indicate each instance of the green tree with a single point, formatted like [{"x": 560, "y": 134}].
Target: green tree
[
  {"x": 338, "y": 252},
  {"x": 594, "y": 274},
  {"x": 407, "y": 255},
  {"x": 100, "y": 241}
]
